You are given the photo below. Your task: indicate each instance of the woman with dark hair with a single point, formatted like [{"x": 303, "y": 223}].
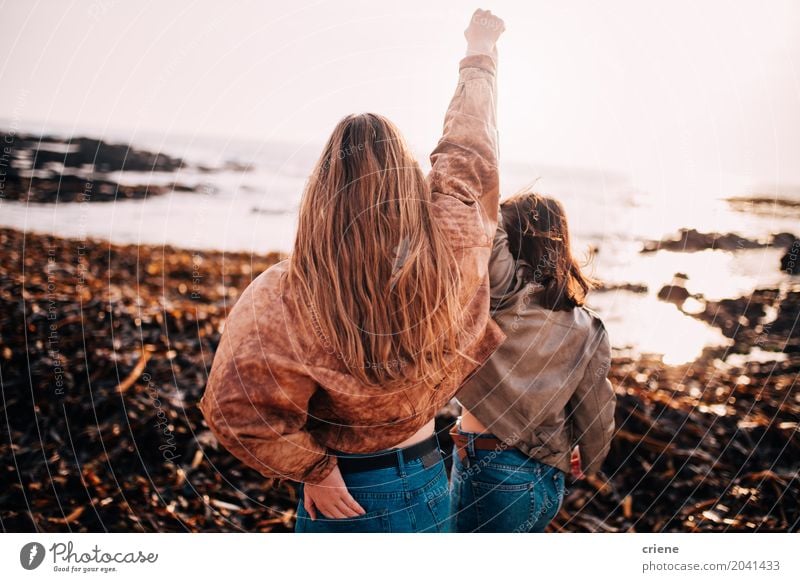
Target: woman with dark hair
[
  {"x": 334, "y": 362},
  {"x": 545, "y": 389}
]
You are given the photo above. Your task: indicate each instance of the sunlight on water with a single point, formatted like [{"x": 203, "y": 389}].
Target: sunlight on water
[
  {"x": 714, "y": 274},
  {"x": 648, "y": 325}
]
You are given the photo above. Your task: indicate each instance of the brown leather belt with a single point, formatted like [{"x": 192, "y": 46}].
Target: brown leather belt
[{"x": 486, "y": 442}]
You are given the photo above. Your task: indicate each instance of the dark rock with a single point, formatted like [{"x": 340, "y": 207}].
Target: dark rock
[
  {"x": 763, "y": 203},
  {"x": 691, "y": 240},
  {"x": 674, "y": 294},
  {"x": 743, "y": 320},
  {"x": 790, "y": 262},
  {"x": 33, "y": 152},
  {"x": 47, "y": 169},
  {"x": 70, "y": 188},
  {"x": 631, "y": 287},
  {"x": 783, "y": 240},
  {"x": 788, "y": 318}
]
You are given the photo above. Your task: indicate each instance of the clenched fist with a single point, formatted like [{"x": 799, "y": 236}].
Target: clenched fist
[{"x": 482, "y": 33}]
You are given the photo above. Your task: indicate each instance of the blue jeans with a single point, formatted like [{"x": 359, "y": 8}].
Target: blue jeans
[
  {"x": 503, "y": 491},
  {"x": 408, "y": 498}
]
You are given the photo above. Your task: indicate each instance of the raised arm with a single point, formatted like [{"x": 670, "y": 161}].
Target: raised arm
[{"x": 464, "y": 177}]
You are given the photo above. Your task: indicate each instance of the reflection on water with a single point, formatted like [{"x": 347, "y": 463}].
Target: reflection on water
[
  {"x": 220, "y": 216},
  {"x": 714, "y": 274},
  {"x": 755, "y": 355},
  {"x": 648, "y": 325}
]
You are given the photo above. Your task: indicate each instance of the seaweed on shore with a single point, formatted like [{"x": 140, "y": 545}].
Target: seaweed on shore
[
  {"x": 707, "y": 446},
  {"x": 104, "y": 354}
]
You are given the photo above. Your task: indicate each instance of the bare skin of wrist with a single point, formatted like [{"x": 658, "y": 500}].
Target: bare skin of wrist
[{"x": 481, "y": 50}]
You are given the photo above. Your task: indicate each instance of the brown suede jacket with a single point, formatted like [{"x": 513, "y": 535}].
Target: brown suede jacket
[{"x": 280, "y": 402}]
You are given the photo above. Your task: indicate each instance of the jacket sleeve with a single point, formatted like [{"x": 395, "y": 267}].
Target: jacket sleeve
[
  {"x": 256, "y": 403},
  {"x": 464, "y": 178},
  {"x": 592, "y": 408},
  {"x": 502, "y": 267}
]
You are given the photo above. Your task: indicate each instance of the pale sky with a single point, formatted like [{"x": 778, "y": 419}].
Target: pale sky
[{"x": 668, "y": 89}]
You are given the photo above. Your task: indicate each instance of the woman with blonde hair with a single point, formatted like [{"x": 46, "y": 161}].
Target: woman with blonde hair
[{"x": 334, "y": 362}]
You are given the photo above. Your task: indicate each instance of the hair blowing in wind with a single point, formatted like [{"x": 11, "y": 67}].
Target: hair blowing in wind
[{"x": 372, "y": 266}]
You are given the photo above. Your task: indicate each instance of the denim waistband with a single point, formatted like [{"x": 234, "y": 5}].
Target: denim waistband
[
  {"x": 426, "y": 451},
  {"x": 382, "y": 451},
  {"x": 486, "y": 442}
]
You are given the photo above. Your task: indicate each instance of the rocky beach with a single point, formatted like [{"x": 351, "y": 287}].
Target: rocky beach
[
  {"x": 105, "y": 350},
  {"x": 48, "y": 169}
]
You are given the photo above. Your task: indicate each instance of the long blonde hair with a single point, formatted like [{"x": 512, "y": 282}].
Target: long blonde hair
[{"x": 371, "y": 265}]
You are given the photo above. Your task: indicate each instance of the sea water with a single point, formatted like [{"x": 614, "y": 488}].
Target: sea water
[{"x": 610, "y": 214}]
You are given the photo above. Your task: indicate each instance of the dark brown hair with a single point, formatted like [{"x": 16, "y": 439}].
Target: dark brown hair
[{"x": 539, "y": 237}]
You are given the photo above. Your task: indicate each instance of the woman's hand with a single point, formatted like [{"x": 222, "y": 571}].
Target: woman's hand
[
  {"x": 575, "y": 464},
  {"x": 331, "y": 497},
  {"x": 482, "y": 33}
]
